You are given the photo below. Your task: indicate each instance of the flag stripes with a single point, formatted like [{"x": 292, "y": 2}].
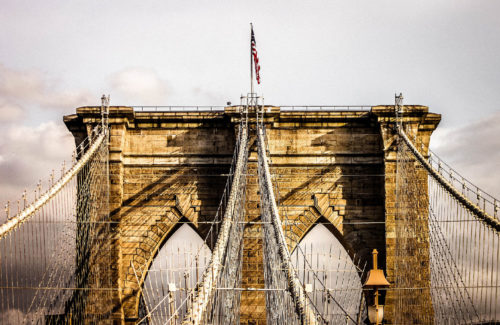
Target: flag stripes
[{"x": 255, "y": 58}]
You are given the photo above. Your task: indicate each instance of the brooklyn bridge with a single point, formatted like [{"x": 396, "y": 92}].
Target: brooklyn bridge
[{"x": 217, "y": 215}]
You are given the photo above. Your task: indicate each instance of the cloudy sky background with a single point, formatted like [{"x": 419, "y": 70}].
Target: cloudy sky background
[{"x": 58, "y": 55}]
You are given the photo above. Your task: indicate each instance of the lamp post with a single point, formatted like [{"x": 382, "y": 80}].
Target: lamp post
[{"x": 376, "y": 280}]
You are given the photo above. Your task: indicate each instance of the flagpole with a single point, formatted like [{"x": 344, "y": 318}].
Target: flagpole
[{"x": 251, "y": 61}]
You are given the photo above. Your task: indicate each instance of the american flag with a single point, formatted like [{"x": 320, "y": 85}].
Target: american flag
[{"x": 255, "y": 59}]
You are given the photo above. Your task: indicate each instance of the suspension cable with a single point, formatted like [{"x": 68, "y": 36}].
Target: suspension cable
[
  {"x": 476, "y": 210},
  {"x": 35, "y": 206},
  {"x": 309, "y": 314}
]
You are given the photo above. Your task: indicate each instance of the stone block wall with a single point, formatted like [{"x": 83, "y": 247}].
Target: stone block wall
[
  {"x": 419, "y": 124},
  {"x": 337, "y": 168}
]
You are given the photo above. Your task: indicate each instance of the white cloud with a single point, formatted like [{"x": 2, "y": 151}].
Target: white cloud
[
  {"x": 22, "y": 89},
  {"x": 10, "y": 112},
  {"x": 139, "y": 86},
  {"x": 30, "y": 153},
  {"x": 16, "y": 83}
]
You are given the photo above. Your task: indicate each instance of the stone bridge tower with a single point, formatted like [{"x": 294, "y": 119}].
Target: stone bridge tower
[{"x": 336, "y": 167}]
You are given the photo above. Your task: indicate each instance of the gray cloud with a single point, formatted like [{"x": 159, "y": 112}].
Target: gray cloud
[
  {"x": 28, "y": 88},
  {"x": 28, "y": 154},
  {"x": 473, "y": 150},
  {"x": 10, "y": 112},
  {"x": 60, "y": 55}
]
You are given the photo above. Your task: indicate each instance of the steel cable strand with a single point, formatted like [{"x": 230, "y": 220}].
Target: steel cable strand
[
  {"x": 93, "y": 212},
  {"x": 411, "y": 207},
  {"x": 476, "y": 210},
  {"x": 435, "y": 176},
  {"x": 262, "y": 127},
  {"x": 278, "y": 301},
  {"x": 455, "y": 273},
  {"x": 21, "y": 233},
  {"x": 24, "y": 215},
  {"x": 406, "y": 229},
  {"x": 412, "y": 216},
  {"x": 345, "y": 313},
  {"x": 221, "y": 211},
  {"x": 437, "y": 295},
  {"x": 211, "y": 231},
  {"x": 52, "y": 277},
  {"x": 269, "y": 267},
  {"x": 211, "y": 274},
  {"x": 442, "y": 288},
  {"x": 232, "y": 255},
  {"x": 269, "y": 199},
  {"x": 280, "y": 306},
  {"x": 233, "y": 249},
  {"x": 192, "y": 292},
  {"x": 400, "y": 225},
  {"x": 409, "y": 224},
  {"x": 301, "y": 300},
  {"x": 426, "y": 227},
  {"x": 49, "y": 206},
  {"x": 85, "y": 240},
  {"x": 470, "y": 190},
  {"x": 231, "y": 275}
]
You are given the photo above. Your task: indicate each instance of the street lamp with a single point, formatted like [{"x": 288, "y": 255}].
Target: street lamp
[{"x": 375, "y": 280}]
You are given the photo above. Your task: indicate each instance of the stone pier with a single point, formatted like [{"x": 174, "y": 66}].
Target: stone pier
[{"x": 336, "y": 167}]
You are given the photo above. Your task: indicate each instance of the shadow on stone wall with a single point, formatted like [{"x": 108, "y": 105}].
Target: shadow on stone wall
[{"x": 168, "y": 196}]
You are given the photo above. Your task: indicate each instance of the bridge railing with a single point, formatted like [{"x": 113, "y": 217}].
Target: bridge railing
[
  {"x": 484, "y": 201},
  {"x": 199, "y": 300},
  {"x": 463, "y": 240},
  {"x": 50, "y": 270},
  {"x": 475, "y": 194},
  {"x": 297, "y": 108},
  {"x": 279, "y": 271},
  {"x": 320, "y": 108},
  {"x": 178, "y": 108},
  {"x": 81, "y": 156},
  {"x": 223, "y": 269}
]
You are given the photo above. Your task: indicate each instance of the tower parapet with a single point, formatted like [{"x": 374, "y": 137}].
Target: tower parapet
[{"x": 334, "y": 166}]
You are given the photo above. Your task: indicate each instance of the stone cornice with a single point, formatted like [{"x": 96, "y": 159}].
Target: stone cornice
[{"x": 139, "y": 119}]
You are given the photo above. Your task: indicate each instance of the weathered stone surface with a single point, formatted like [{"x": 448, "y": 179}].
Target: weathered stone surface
[{"x": 332, "y": 167}]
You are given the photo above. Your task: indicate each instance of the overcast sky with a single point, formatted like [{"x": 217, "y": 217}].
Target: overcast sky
[{"x": 58, "y": 55}]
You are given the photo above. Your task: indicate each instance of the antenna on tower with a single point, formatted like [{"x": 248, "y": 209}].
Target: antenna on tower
[{"x": 399, "y": 109}]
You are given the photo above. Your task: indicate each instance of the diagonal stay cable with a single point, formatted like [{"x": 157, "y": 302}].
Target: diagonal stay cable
[
  {"x": 310, "y": 315},
  {"x": 51, "y": 192},
  {"x": 473, "y": 208},
  {"x": 210, "y": 277},
  {"x": 264, "y": 137},
  {"x": 219, "y": 214},
  {"x": 324, "y": 286}
]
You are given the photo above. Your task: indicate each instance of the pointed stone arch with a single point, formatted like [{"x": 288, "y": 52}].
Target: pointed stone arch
[
  {"x": 184, "y": 221},
  {"x": 145, "y": 240},
  {"x": 330, "y": 264}
]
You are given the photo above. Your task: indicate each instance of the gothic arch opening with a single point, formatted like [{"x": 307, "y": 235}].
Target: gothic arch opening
[
  {"x": 323, "y": 263},
  {"x": 174, "y": 272}
]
